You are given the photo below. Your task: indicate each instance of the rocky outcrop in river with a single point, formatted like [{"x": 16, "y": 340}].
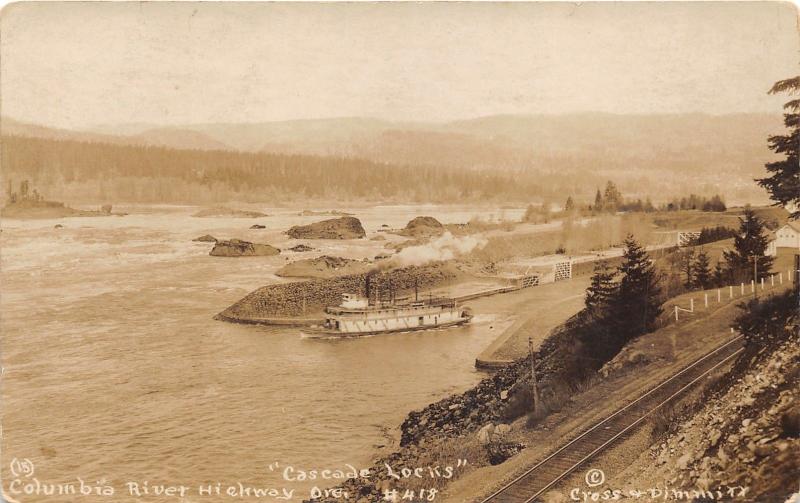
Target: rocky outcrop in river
[
  {"x": 239, "y": 248},
  {"x": 334, "y": 228},
  {"x": 422, "y": 226}
]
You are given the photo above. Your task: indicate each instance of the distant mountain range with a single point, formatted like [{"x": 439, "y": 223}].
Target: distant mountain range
[{"x": 726, "y": 151}]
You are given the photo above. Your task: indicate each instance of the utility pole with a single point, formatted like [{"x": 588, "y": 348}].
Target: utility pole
[
  {"x": 533, "y": 375},
  {"x": 755, "y": 275}
]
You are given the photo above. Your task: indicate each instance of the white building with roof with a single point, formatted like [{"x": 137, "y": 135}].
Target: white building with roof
[{"x": 787, "y": 236}]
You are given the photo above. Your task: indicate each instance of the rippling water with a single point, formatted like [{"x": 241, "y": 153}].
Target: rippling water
[{"x": 115, "y": 370}]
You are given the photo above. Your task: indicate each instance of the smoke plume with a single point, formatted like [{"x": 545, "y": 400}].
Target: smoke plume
[{"x": 445, "y": 247}]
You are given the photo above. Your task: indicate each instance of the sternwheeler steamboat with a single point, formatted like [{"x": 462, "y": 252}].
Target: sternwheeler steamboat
[{"x": 357, "y": 317}]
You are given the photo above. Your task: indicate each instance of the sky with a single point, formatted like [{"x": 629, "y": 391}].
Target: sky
[{"x": 79, "y": 65}]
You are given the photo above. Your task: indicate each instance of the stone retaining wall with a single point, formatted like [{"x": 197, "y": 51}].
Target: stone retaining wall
[{"x": 306, "y": 298}]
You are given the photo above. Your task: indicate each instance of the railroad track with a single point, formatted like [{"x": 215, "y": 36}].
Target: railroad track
[{"x": 544, "y": 475}]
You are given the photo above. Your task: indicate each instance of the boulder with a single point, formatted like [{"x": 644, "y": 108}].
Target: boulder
[
  {"x": 334, "y": 228},
  {"x": 58, "y": 226},
  {"x": 301, "y": 248},
  {"x": 239, "y": 248},
  {"x": 258, "y": 226},
  {"x": 206, "y": 239},
  {"x": 485, "y": 434}
]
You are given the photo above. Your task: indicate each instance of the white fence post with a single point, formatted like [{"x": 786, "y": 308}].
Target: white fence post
[
  {"x": 742, "y": 288},
  {"x": 752, "y": 286},
  {"x": 706, "y": 299},
  {"x": 762, "y": 284},
  {"x": 772, "y": 280},
  {"x": 780, "y": 277},
  {"x": 719, "y": 295},
  {"x": 691, "y": 305},
  {"x": 730, "y": 290},
  {"x": 676, "y": 313}
]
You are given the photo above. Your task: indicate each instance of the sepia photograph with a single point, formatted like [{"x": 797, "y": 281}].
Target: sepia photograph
[{"x": 399, "y": 252}]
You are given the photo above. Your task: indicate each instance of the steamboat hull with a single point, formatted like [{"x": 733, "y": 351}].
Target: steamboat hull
[{"x": 322, "y": 332}]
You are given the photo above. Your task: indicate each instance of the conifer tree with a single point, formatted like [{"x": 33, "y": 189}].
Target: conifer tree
[
  {"x": 569, "y": 205},
  {"x": 638, "y": 299},
  {"x": 598, "y": 201},
  {"x": 702, "y": 271},
  {"x": 602, "y": 289},
  {"x": 749, "y": 246},
  {"x": 612, "y": 198},
  {"x": 784, "y": 183}
]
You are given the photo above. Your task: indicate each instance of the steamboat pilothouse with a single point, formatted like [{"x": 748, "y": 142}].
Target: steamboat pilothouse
[{"x": 357, "y": 316}]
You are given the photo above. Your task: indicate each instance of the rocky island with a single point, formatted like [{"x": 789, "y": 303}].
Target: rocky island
[
  {"x": 27, "y": 203},
  {"x": 334, "y": 228}
]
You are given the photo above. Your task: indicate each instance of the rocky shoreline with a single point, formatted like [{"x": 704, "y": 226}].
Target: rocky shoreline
[{"x": 480, "y": 416}]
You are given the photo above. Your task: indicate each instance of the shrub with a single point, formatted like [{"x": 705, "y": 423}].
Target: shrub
[{"x": 765, "y": 321}]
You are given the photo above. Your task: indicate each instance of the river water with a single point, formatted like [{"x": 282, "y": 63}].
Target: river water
[{"x": 115, "y": 371}]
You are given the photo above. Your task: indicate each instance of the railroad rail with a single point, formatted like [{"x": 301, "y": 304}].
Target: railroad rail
[{"x": 548, "y": 472}]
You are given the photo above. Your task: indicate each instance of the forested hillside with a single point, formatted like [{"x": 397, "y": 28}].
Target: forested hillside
[
  {"x": 500, "y": 158},
  {"x": 91, "y": 171}
]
